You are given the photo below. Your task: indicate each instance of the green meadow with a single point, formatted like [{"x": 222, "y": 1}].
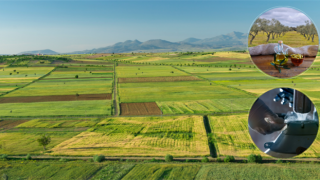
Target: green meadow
[
  {"x": 65, "y": 87},
  {"x": 57, "y": 108}
]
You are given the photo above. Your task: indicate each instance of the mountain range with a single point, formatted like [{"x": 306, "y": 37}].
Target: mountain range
[{"x": 231, "y": 41}]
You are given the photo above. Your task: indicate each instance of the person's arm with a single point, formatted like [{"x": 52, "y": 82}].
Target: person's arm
[{"x": 263, "y": 120}]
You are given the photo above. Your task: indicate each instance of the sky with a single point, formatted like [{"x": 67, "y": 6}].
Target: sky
[
  {"x": 66, "y": 26},
  {"x": 287, "y": 16}
]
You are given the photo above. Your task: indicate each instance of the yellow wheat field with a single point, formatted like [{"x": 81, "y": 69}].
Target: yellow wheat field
[{"x": 152, "y": 137}]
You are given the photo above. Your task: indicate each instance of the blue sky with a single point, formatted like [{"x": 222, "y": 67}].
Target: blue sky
[{"x": 66, "y": 26}]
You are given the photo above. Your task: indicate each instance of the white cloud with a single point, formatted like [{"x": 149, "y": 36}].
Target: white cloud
[{"x": 287, "y": 16}]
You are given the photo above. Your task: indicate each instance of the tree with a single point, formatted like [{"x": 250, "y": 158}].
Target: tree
[
  {"x": 44, "y": 141},
  {"x": 254, "y": 30},
  {"x": 168, "y": 158}
]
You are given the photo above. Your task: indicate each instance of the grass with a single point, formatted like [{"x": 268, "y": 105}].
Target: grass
[
  {"x": 256, "y": 171},
  {"x": 148, "y": 71},
  {"x": 65, "y": 87},
  {"x": 163, "y": 171},
  {"x": 21, "y": 143},
  {"x": 231, "y": 135},
  {"x": 176, "y": 91},
  {"x": 140, "y": 136},
  {"x": 57, "y": 108},
  {"x": 308, "y": 86},
  {"x": 113, "y": 171},
  {"x": 58, "y": 123},
  {"x": 48, "y": 169},
  {"x": 206, "y": 106},
  {"x": 72, "y": 74},
  {"x": 291, "y": 38},
  {"x": 26, "y": 75}
]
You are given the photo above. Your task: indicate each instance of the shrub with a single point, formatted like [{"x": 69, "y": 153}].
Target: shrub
[
  {"x": 188, "y": 160},
  {"x": 28, "y": 157},
  {"x": 4, "y": 156},
  {"x": 219, "y": 160},
  {"x": 254, "y": 158},
  {"x": 90, "y": 160},
  {"x": 278, "y": 161},
  {"x": 98, "y": 158},
  {"x": 204, "y": 159},
  {"x": 63, "y": 160},
  {"x": 168, "y": 158},
  {"x": 229, "y": 159},
  {"x": 76, "y": 76}
]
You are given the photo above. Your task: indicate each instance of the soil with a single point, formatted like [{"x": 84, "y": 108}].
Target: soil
[
  {"x": 8, "y": 124},
  {"x": 30, "y": 99},
  {"x": 145, "y": 108}
]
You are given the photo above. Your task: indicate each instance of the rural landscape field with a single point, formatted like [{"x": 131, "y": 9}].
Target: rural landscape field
[{"x": 137, "y": 108}]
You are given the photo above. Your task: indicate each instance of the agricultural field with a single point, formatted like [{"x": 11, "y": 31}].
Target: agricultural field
[
  {"x": 24, "y": 133},
  {"x": 65, "y": 87},
  {"x": 57, "y": 108},
  {"x": 256, "y": 171},
  {"x": 48, "y": 169},
  {"x": 231, "y": 135},
  {"x": 158, "y": 79},
  {"x": 208, "y": 106},
  {"x": 140, "y": 109},
  {"x": 176, "y": 91},
  {"x": 16, "y": 77},
  {"x": 148, "y": 71},
  {"x": 163, "y": 171},
  {"x": 140, "y": 136},
  {"x": 81, "y": 169}
]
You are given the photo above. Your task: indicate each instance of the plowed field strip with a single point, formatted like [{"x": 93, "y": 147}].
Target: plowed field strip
[
  {"x": 146, "y": 108},
  {"x": 29, "y": 99},
  {"x": 158, "y": 79}
]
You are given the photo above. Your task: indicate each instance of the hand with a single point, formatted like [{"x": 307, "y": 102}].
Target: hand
[{"x": 263, "y": 120}]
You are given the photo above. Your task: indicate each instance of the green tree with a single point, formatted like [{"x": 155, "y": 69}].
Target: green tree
[
  {"x": 168, "y": 158},
  {"x": 44, "y": 140}
]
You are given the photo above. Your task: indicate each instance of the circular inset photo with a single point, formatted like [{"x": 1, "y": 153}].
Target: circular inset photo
[
  {"x": 283, "y": 42},
  {"x": 283, "y": 122}
]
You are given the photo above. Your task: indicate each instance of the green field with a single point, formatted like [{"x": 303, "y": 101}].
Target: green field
[
  {"x": 115, "y": 171},
  {"x": 65, "y": 87},
  {"x": 148, "y": 71},
  {"x": 81, "y": 74},
  {"x": 163, "y": 171},
  {"x": 57, "y": 108},
  {"x": 48, "y": 169},
  {"x": 20, "y": 76},
  {"x": 176, "y": 91},
  {"x": 208, "y": 106}
]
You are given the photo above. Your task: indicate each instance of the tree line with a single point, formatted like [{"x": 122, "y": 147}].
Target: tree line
[{"x": 273, "y": 28}]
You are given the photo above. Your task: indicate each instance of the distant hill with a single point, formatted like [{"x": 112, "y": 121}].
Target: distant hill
[
  {"x": 45, "y": 51},
  {"x": 231, "y": 41}
]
